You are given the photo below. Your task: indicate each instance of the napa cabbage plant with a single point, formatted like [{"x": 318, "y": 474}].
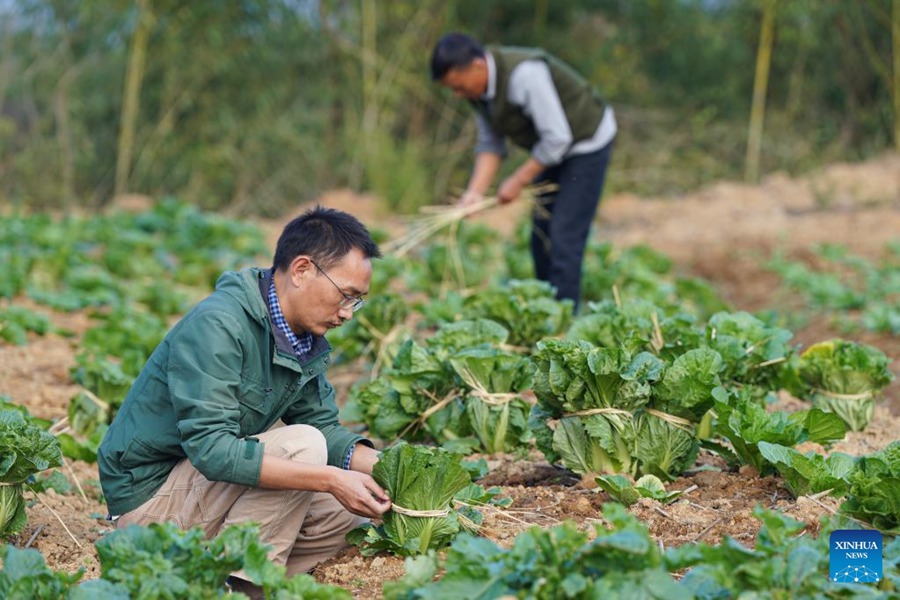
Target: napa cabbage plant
[
  {"x": 844, "y": 378},
  {"x": 606, "y": 410},
  {"x": 754, "y": 353},
  {"x": 376, "y": 333},
  {"x": 636, "y": 326},
  {"x": 415, "y": 399},
  {"x": 25, "y": 449},
  {"x": 528, "y": 309},
  {"x": 586, "y": 400},
  {"x": 666, "y": 441},
  {"x": 421, "y": 483},
  {"x": 810, "y": 472},
  {"x": 874, "y": 495},
  {"x": 494, "y": 381},
  {"x": 621, "y": 561},
  {"x": 744, "y": 423}
]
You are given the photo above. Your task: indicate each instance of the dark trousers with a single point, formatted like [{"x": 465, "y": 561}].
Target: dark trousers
[{"x": 562, "y": 220}]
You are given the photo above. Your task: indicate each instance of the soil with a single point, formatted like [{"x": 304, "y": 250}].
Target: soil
[{"x": 723, "y": 233}]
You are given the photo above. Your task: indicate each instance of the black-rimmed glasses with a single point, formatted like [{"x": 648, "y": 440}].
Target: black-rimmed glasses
[{"x": 354, "y": 303}]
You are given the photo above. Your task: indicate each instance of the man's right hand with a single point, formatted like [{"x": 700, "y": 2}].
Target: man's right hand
[{"x": 360, "y": 494}]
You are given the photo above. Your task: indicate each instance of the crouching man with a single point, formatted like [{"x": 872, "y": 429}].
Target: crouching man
[{"x": 194, "y": 441}]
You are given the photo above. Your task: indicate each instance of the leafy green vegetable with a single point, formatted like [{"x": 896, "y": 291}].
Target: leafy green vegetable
[
  {"x": 451, "y": 338},
  {"x": 17, "y": 321},
  {"x": 753, "y": 353},
  {"x": 638, "y": 325},
  {"x": 809, "y": 473},
  {"x": 163, "y": 561},
  {"x": 528, "y": 309},
  {"x": 874, "y": 495},
  {"x": 745, "y": 423},
  {"x": 622, "y": 490},
  {"x": 418, "y": 479},
  {"x": 375, "y": 333},
  {"x": 26, "y": 575},
  {"x": 416, "y": 399},
  {"x": 25, "y": 449},
  {"x": 495, "y": 408},
  {"x": 605, "y": 410},
  {"x": 782, "y": 564},
  {"x": 545, "y": 564},
  {"x": 666, "y": 442},
  {"x": 586, "y": 400},
  {"x": 857, "y": 290},
  {"x": 844, "y": 377}
]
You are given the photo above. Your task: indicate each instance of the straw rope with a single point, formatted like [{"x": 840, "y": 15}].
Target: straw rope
[
  {"x": 480, "y": 391},
  {"x": 682, "y": 424},
  {"x": 439, "y": 404},
  {"x": 439, "y": 217},
  {"x": 495, "y": 398}
]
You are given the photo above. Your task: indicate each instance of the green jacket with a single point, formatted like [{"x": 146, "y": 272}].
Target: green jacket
[
  {"x": 223, "y": 374},
  {"x": 582, "y": 104}
]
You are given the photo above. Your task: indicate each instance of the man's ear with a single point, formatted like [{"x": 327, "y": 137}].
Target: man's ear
[{"x": 301, "y": 267}]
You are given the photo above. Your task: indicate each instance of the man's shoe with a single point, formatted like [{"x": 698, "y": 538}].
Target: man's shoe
[{"x": 251, "y": 590}]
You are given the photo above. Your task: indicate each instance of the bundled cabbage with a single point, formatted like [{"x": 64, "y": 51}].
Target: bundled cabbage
[
  {"x": 415, "y": 399},
  {"x": 605, "y": 410},
  {"x": 25, "y": 450},
  {"x": 844, "y": 378},
  {"x": 375, "y": 333},
  {"x": 418, "y": 397},
  {"x": 666, "y": 442},
  {"x": 421, "y": 483},
  {"x": 874, "y": 495},
  {"x": 496, "y": 410},
  {"x": 527, "y": 308},
  {"x": 754, "y": 354},
  {"x": 586, "y": 400},
  {"x": 637, "y": 325}
]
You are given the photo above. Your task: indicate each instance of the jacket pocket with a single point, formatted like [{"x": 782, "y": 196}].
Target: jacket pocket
[
  {"x": 137, "y": 453},
  {"x": 255, "y": 407}
]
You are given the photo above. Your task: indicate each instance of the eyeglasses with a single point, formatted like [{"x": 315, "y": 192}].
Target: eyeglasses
[{"x": 354, "y": 303}]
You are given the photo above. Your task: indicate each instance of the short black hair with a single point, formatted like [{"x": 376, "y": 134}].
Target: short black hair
[
  {"x": 453, "y": 51},
  {"x": 324, "y": 234}
]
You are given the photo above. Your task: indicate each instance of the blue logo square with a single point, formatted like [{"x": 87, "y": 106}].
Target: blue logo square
[{"x": 855, "y": 556}]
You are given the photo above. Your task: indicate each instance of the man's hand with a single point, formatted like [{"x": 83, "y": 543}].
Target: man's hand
[
  {"x": 359, "y": 494},
  {"x": 510, "y": 189},
  {"x": 513, "y": 185},
  {"x": 469, "y": 199}
]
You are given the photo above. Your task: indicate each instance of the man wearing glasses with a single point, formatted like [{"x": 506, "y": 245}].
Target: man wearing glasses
[{"x": 194, "y": 441}]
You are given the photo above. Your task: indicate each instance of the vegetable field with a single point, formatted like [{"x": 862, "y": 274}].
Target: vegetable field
[{"x": 737, "y": 356}]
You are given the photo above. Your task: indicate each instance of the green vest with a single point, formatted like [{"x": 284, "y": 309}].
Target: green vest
[{"x": 582, "y": 104}]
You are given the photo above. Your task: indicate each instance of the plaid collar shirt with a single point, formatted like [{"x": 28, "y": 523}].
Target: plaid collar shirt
[{"x": 302, "y": 343}]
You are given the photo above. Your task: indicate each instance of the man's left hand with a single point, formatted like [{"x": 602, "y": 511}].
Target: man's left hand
[{"x": 510, "y": 189}]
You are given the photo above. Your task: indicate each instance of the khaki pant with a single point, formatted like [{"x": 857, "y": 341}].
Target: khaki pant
[{"x": 304, "y": 528}]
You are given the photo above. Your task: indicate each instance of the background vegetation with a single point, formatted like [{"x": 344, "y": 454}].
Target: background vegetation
[{"x": 251, "y": 106}]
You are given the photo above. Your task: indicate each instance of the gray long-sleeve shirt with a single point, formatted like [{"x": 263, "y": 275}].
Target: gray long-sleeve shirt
[{"x": 531, "y": 87}]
